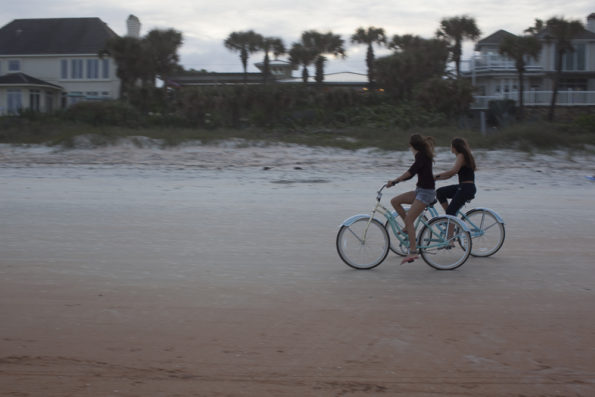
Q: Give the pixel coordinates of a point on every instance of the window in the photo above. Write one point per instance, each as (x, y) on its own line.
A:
(92, 68)
(64, 68)
(575, 60)
(105, 68)
(34, 100)
(13, 99)
(76, 69)
(14, 65)
(91, 95)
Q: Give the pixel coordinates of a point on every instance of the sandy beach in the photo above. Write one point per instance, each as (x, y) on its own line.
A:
(212, 271)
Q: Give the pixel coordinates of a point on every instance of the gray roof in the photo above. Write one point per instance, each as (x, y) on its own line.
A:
(54, 36)
(24, 79)
(494, 39)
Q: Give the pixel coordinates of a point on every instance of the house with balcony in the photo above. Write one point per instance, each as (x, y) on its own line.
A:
(495, 76)
(48, 64)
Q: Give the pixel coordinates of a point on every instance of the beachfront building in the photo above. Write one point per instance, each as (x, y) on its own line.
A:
(281, 73)
(495, 76)
(48, 64)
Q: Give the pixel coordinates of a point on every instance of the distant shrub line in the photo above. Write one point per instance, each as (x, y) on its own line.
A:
(307, 115)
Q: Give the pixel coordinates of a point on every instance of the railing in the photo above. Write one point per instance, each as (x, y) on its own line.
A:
(498, 63)
(540, 98)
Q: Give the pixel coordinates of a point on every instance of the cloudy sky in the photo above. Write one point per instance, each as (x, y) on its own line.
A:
(205, 24)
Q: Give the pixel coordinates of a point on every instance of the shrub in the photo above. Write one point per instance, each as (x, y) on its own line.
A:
(113, 113)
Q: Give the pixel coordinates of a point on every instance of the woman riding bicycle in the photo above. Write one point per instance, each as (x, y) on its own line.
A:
(424, 194)
(464, 167)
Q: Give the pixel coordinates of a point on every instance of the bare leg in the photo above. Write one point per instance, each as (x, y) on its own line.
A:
(444, 205)
(416, 209)
(398, 201)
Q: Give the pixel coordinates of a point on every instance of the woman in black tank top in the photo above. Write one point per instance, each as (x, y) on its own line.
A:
(465, 168)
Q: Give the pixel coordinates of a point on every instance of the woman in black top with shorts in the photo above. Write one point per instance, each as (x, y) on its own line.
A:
(465, 168)
(424, 194)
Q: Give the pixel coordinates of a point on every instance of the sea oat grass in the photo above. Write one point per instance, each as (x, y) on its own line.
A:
(529, 136)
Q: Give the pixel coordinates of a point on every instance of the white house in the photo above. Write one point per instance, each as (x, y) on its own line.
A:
(47, 64)
(495, 76)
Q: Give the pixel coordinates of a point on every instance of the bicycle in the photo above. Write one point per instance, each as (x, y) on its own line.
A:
(485, 226)
(363, 242)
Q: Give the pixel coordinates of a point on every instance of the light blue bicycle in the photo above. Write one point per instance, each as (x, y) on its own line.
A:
(485, 226)
(363, 242)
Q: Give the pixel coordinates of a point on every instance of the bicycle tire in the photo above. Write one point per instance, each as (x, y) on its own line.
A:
(485, 244)
(433, 243)
(363, 254)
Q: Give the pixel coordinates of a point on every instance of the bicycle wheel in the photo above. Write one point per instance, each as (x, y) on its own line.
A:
(395, 244)
(438, 250)
(487, 233)
(361, 252)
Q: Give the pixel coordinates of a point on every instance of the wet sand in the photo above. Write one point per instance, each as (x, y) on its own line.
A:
(212, 271)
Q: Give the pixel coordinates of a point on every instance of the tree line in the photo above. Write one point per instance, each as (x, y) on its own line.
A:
(314, 47)
(417, 69)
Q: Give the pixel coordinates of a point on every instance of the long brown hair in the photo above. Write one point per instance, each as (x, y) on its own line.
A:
(461, 146)
(424, 144)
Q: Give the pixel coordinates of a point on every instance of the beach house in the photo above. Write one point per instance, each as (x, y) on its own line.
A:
(495, 76)
(48, 64)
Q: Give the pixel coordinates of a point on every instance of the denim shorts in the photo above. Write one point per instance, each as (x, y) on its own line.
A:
(426, 196)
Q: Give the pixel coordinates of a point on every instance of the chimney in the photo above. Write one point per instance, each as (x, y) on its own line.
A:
(591, 22)
(133, 25)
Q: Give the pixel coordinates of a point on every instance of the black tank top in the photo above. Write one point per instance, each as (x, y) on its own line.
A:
(466, 174)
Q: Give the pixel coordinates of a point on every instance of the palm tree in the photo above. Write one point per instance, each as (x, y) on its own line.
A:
(537, 28)
(129, 55)
(455, 30)
(245, 43)
(369, 36)
(405, 42)
(299, 55)
(321, 44)
(561, 32)
(162, 49)
(520, 49)
(271, 44)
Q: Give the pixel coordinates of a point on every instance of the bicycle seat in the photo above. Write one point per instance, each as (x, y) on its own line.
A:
(432, 203)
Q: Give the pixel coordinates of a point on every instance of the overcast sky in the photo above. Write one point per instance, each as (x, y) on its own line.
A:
(205, 24)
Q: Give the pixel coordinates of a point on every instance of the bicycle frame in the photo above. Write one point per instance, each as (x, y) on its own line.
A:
(396, 229)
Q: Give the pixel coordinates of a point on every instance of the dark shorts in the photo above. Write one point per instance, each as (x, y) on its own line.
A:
(459, 194)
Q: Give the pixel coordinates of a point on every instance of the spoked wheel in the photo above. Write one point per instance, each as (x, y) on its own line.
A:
(395, 244)
(487, 232)
(363, 244)
(440, 251)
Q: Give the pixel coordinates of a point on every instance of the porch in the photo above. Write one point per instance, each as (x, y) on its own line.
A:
(539, 98)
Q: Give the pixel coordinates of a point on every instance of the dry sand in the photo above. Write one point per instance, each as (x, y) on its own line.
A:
(195, 271)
